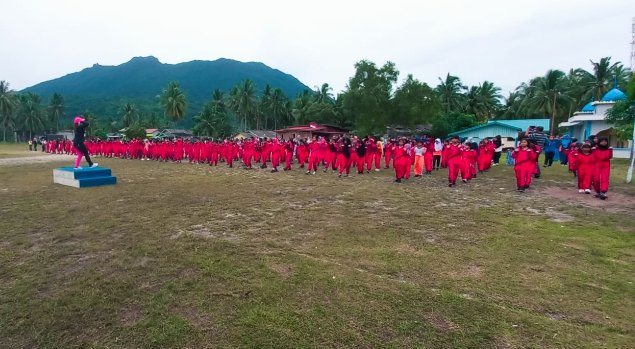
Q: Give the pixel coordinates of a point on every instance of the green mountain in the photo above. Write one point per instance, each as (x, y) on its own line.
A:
(102, 90)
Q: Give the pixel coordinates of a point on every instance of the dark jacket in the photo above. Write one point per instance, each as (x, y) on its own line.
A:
(79, 132)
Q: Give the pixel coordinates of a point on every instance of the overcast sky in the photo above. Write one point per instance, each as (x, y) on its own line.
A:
(506, 42)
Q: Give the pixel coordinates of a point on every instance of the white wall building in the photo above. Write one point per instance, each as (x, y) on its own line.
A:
(591, 120)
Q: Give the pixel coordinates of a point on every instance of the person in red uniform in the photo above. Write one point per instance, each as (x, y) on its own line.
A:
(525, 161)
(468, 156)
(602, 156)
(288, 154)
(584, 162)
(388, 150)
(302, 152)
(454, 160)
(265, 152)
(428, 156)
(371, 148)
(275, 155)
(482, 159)
(572, 152)
(314, 156)
(401, 160)
(344, 149)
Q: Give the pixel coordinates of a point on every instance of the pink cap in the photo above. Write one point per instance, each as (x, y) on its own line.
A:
(78, 120)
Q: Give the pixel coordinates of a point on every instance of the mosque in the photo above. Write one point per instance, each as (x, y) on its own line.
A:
(591, 121)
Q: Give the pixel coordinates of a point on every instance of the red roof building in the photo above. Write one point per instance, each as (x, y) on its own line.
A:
(310, 130)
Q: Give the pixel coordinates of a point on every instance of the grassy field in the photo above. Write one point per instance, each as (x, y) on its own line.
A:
(190, 256)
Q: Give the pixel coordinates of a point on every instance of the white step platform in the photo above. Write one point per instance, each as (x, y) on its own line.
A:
(84, 177)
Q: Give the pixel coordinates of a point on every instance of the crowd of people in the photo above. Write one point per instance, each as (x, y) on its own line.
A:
(417, 156)
(589, 161)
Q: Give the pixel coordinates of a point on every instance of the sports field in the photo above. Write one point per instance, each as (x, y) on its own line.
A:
(193, 256)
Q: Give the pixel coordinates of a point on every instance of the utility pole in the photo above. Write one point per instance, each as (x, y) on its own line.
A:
(629, 173)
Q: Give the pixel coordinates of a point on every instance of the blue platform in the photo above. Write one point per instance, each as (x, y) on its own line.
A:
(84, 177)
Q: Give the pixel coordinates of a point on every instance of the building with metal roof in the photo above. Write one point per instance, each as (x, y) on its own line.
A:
(591, 121)
(507, 129)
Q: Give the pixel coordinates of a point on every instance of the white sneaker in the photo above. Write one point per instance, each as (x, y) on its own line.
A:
(78, 168)
(94, 164)
(587, 191)
(376, 170)
(581, 191)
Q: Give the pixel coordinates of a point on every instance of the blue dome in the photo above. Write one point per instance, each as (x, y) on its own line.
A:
(614, 95)
(588, 108)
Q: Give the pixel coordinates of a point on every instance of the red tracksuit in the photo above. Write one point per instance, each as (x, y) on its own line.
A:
(371, 148)
(388, 150)
(454, 161)
(343, 162)
(584, 163)
(288, 156)
(402, 159)
(524, 166)
(428, 156)
(602, 169)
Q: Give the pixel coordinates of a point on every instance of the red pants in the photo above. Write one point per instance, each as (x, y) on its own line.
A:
(523, 175)
(585, 176)
(466, 169)
(246, 158)
(344, 163)
(275, 159)
(287, 161)
(377, 160)
(360, 164)
(453, 170)
(427, 160)
(313, 162)
(330, 159)
(387, 159)
(401, 166)
(369, 161)
(601, 174)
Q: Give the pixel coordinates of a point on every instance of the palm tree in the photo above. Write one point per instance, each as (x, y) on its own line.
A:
(264, 108)
(490, 98)
(213, 121)
(279, 108)
(130, 114)
(56, 110)
(323, 94)
(173, 101)
(548, 94)
(513, 103)
(243, 101)
(603, 75)
(8, 106)
(31, 115)
(451, 91)
(300, 106)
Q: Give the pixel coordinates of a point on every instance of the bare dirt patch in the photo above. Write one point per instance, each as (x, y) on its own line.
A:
(195, 317)
(285, 271)
(131, 315)
(439, 322)
(615, 201)
(551, 214)
(201, 231)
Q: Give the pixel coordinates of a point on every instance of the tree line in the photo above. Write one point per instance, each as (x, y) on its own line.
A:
(372, 100)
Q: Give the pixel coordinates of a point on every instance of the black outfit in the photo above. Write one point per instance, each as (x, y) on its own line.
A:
(497, 154)
(436, 162)
(78, 141)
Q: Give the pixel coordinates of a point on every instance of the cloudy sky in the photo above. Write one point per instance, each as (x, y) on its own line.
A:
(506, 42)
